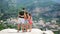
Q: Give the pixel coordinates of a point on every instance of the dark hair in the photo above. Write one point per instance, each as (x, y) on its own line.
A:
(29, 14)
(21, 13)
(23, 8)
(26, 14)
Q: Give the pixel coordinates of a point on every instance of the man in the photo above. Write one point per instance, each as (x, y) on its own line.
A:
(20, 20)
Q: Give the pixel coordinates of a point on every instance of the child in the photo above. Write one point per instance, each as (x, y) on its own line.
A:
(30, 22)
(26, 20)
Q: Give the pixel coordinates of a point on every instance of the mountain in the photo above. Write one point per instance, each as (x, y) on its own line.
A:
(38, 8)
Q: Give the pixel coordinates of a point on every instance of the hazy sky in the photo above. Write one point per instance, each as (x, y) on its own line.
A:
(58, 1)
(22, 1)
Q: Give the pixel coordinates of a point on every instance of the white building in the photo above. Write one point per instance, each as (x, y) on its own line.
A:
(41, 22)
(53, 21)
